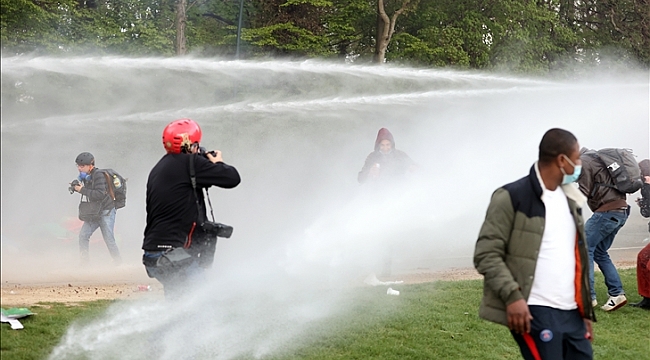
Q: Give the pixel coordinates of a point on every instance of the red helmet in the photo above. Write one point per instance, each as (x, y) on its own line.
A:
(180, 134)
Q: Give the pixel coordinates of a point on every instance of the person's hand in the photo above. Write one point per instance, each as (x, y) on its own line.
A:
(215, 158)
(374, 171)
(589, 335)
(519, 317)
(647, 179)
(78, 187)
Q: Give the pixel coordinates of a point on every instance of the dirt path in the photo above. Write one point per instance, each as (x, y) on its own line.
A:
(113, 286)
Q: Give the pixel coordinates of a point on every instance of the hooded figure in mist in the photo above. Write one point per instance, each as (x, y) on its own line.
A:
(385, 163)
(385, 166)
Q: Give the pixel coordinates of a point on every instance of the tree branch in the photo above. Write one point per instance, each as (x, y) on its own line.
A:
(397, 13)
(612, 14)
(192, 4)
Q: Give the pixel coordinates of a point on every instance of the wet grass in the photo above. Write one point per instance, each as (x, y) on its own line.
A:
(439, 321)
(43, 330)
(426, 321)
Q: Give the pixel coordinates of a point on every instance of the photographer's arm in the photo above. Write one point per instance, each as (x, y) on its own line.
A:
(209, 173)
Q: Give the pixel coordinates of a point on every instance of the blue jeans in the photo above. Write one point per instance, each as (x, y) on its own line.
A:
(173, 280)
(105, 222)
(600, 229)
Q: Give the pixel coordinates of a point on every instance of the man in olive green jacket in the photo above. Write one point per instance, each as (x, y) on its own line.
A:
(532, 252)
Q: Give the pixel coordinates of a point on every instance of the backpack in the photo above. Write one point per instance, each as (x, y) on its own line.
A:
(116, 187)
(623, 169)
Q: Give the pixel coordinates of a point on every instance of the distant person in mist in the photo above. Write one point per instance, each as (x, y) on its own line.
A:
(610, 212)
(386, 166)
(532, 252)
(96, 209)
(177, 244)
(385, 163)
(643, 258)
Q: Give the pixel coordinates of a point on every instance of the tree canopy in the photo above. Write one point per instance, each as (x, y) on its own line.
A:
(521, 35)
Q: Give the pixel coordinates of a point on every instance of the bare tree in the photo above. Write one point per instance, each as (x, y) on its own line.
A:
(386, 27)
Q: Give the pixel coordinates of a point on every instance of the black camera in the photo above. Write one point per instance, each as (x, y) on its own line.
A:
(74, 183)
(217, 229)
(203, 152)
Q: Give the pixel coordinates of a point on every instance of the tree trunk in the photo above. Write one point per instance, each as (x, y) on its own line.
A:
(181, 19)
(381, 42)
(385, 29)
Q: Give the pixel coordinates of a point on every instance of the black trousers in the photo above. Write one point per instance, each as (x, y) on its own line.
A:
(555, 334)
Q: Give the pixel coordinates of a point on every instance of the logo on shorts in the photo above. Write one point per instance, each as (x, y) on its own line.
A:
(546, 335)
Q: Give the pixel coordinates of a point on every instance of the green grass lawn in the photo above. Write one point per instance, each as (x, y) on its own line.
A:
(426, 321)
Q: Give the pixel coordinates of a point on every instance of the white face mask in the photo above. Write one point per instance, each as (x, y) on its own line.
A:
(567, 179)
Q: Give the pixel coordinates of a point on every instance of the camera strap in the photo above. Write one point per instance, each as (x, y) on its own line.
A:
(196, 197)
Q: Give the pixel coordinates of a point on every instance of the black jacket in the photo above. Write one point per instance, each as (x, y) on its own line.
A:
(95, 189)
(171, 204)
(644, 205)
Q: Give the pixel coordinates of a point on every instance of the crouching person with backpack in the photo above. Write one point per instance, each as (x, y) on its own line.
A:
(607, 177)
(178, 240)
(97, 206)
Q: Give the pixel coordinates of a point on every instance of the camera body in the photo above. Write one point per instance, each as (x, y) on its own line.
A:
(203, 152)
(73, 183)
(217, 229)
(206, 245)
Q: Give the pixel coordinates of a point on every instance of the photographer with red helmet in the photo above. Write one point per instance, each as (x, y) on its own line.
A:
(177, 227)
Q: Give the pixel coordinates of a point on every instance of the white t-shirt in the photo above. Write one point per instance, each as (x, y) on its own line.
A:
(553, 284)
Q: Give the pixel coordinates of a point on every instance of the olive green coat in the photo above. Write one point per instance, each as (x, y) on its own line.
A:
(509, 242)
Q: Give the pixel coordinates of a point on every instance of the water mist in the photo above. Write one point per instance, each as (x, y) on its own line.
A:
(306, 233)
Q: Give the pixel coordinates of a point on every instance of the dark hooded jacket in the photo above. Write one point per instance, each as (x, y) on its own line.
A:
(392, 166)
(95, 189)
(600, 198)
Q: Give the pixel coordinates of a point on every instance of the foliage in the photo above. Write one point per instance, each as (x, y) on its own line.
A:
(518, 35)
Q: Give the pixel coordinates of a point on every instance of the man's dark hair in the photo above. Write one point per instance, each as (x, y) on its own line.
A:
(556, 142)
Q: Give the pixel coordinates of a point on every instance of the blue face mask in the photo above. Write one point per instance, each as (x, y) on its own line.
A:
(83, 176)
(567, 179)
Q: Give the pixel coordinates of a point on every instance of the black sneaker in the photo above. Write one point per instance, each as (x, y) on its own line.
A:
(643, 304)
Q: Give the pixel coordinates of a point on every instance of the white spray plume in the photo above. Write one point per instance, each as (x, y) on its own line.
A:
(298, 132)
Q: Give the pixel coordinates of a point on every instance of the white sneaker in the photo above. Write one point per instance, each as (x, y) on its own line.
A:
(614, 302)
(594, 303)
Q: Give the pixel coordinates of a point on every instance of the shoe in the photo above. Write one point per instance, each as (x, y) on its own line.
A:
(594, 303)
(614, 302)
(643, 304)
